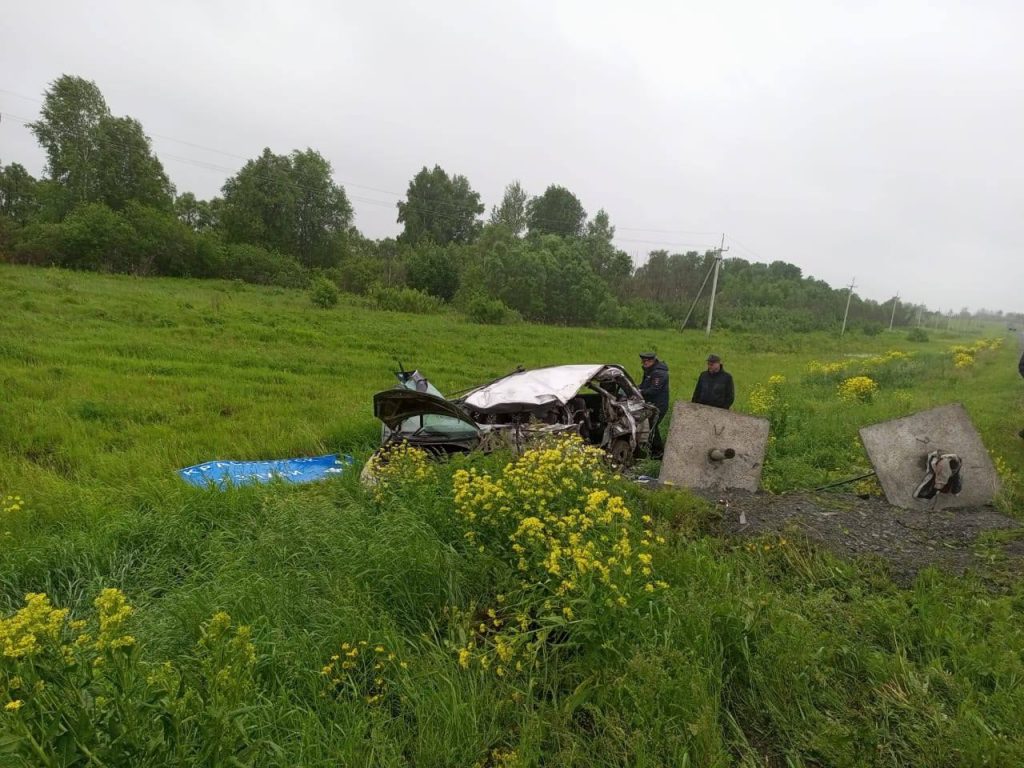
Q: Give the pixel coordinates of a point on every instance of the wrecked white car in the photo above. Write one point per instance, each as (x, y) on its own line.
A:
(599, 402)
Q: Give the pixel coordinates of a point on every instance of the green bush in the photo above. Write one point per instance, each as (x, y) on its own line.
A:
(917, 334)
(642, 313)
(403, 300)
(160, 243)
(323, 293)
(92, 237)
(254, 264)
(488, 311)
(433, 270)
(776, 320)
(358, 274)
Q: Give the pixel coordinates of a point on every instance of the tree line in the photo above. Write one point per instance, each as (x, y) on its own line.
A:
(105, 203)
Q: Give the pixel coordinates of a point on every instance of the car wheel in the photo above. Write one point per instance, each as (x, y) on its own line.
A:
(621, 452)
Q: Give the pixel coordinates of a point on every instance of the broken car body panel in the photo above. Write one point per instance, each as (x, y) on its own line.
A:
(529, 389)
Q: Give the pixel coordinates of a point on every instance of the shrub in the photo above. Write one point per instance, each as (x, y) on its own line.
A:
(254, 264)
(160, 244)
(359, 273)
(323, 293)
(403, 300)
(776, 320)
(642, 313)
(433, 270)
(917, 334)
(92, 237)
(483, 309)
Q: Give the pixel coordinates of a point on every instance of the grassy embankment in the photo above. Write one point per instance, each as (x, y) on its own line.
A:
(750, 654)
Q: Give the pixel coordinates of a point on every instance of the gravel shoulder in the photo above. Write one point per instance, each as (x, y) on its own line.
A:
(956, 541)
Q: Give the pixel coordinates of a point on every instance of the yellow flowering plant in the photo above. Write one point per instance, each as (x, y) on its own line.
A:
(364, 670)
(227, 660)
(769, 400)
(398, 467)
(818, 372)
(12, 513)
(85, 678)
(579, 555)
(857, 389)
(44, 654)
(964, 356)
(894, 368)
(11, 505)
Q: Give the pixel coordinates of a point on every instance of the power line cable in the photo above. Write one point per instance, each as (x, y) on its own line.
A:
(445, 215)
(746, 248)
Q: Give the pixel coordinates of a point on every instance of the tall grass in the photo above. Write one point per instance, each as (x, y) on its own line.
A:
(761, 652)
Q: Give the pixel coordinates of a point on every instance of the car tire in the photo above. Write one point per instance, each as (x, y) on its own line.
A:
(621, 452)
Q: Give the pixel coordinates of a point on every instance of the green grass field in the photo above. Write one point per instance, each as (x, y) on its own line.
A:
(768, 655)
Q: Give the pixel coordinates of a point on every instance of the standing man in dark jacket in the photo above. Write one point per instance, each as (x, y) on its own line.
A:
(1020, 368)
(654, 388)
(714, 386)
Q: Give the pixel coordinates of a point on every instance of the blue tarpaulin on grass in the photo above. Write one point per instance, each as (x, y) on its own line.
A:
(223, 473)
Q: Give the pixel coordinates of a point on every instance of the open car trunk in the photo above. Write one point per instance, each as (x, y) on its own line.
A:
(425, 420)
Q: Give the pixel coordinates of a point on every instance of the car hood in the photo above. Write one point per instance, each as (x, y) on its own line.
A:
(393, 406)
(540, 386)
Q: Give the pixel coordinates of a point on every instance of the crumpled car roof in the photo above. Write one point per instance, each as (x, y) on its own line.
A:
(536, 387)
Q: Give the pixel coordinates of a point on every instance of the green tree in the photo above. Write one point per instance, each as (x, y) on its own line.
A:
(322, 210)
(126, 168)
(68, 131)
(545, 278)
(18, 200)
(198, 215)
(433, 269)
(557, 212)
(512, 211)
(439, 208)
(93, 156)
(287, 203)
(607, 262)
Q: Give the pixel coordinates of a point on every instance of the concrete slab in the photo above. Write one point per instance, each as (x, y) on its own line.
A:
(696, 430)
(898, 450)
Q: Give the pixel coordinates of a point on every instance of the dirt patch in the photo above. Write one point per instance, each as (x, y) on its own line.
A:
(974, 538)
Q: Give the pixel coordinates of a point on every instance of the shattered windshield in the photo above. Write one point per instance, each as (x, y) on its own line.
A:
(431, 423)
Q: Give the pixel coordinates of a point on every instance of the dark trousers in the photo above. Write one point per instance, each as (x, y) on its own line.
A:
(657, 444)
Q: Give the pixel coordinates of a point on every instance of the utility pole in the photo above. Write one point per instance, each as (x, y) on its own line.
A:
(714, 283)
(893, 316)
(697, 297)
(846, 314)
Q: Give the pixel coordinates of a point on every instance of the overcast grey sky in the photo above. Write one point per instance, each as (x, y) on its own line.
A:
(875, 140)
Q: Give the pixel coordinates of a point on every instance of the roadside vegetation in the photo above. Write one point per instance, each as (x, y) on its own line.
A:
(106, 204)
(485, 611)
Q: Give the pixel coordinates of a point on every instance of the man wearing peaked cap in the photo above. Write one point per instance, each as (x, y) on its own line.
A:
(714, 386)
(654, 388)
